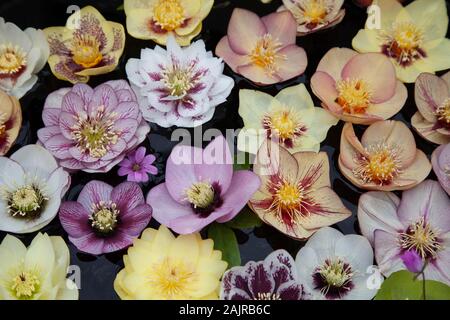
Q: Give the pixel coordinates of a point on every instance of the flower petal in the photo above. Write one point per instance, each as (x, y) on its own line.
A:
(94, 192)
(282, 26)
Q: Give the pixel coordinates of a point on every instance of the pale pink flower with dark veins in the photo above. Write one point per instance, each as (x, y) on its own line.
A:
(137, 165)
(441, 165)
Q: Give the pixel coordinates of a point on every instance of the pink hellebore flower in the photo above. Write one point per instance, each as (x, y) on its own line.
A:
(136, 166)
(441, 166)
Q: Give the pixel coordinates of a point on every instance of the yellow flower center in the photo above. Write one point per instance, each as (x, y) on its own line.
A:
(179, 80)
(168, 14)
(12, 59)
(201, 195)
(25, 285)
(421, 238)
(314, 11)
(86, 51)
(335, 273)
(289, 195)
(265, 53)
(25, 202)
(104, 216)
(443, 112)
(354, 95)
(267, 296)
(284, 124)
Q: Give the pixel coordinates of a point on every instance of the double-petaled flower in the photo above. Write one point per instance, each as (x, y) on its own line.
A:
(441, 165)
(10, 121)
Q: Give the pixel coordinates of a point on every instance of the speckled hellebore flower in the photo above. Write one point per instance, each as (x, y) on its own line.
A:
(385, 159)
(31, 187)
(413, 37)
(37, 272)
(295, 196)
(432, 95)
(314, 15)
(137, 165)
(92, 129)
(22, 55)
(419, 222)
(162, 266)
(10, 121)
(333, 266)
(87, 46)
(441, 165)
(158, 19)
(358, 88)
(275, 278)
(178, 86)
(105, 219)
(290, 117)
(262, 49)
(201, 188)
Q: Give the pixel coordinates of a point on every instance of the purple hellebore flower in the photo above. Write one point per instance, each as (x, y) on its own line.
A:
(105, 219)
(419, 222)
(275, 278)
(137, 165)
(441, 166)
(412, 260)
(201, 188)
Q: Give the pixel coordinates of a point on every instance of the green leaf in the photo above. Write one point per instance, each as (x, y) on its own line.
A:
(242, 162)
(246, 219)
(402, 286)
(120, 8)
(225, 241)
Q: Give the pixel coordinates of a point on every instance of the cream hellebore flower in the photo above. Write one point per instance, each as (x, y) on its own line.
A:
(10, 121)
(157, 19)
(412, 36)
(36, 273)
(22, 55)
(290, 117)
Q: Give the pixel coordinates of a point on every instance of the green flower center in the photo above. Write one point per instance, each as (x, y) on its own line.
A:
(104, 217)
(25, 285)
(26, 202)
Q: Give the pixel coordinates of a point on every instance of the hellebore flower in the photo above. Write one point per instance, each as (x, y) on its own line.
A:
(160, 266)
(178, 86)
(413, 37)
(136, 166)
(201, 188)
(290, 117)
(31, 187)
(92, 129)
(314, 15)
(358, 88)
(157, 20)
(295, 196)
(22, 55)
(275, 278)
(37, 272)
(441, 166)
(10, 121)
(432, 95)
(262, 49)
(87, 46)
(419, 222)
(386, 159)
(105, 219)
(333, 266)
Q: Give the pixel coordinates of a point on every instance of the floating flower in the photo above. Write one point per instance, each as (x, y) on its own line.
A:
(295, 196)
(201, 188)
(419, 222)
(87, 46)
(314, 15)
(275, 278)
(386, 159)
(413, 37)
(290, 117)
(37, 272)
(22, 55)
(92, 129)
(432, 95)
(263, 49)
(105, 219)
(178, 86)
(10, 121)
(358, 88)
(158, 19)
(136, 166)
(31, 188)
(160, 266)
(333, 266)
(441, 166)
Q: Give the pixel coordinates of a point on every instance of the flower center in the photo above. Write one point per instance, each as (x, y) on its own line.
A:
(265, 53)
(25, 202)
(314, 12)
(285, 124)
(201, 195)
(136, 167)
(267, 296)
(354, 95)
(289, 195)
(25, 285)
(443, 113)
(179, 80)
(421, 238)
(104, 217)
(333, 278)
(168, 14)
(86, 51)
(13, 60)
(95, 135)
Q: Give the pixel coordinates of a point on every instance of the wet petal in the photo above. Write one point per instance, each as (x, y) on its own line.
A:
(430, 92)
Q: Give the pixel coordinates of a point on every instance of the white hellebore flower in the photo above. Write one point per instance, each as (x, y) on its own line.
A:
(178, 86)
(336, 266)
(31, 187)
(36, 273)
(22, 55)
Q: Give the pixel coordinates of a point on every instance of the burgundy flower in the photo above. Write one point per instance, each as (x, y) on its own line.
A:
(137, 165)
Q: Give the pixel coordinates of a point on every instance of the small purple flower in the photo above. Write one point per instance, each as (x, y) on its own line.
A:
(275, 278)
(137, 165)
(105, 219)
(412, 260)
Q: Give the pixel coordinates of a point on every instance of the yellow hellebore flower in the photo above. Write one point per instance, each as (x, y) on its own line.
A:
(88, 45)
(160, 266)
(157, 19)
(412, 36)
(36, 273)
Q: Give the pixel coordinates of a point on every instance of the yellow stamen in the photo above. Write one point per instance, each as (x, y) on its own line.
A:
(168, 14)
(12, 59)
(335, 274)
(443, 112)
(25, 285)
(421, 238)
(86, 51)
(201, 195)
(25, 202)
(104, 216)
(178, 79)
(265, 53)
(314, 11)
(354, 95)
(285, 124)
(267, 296)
